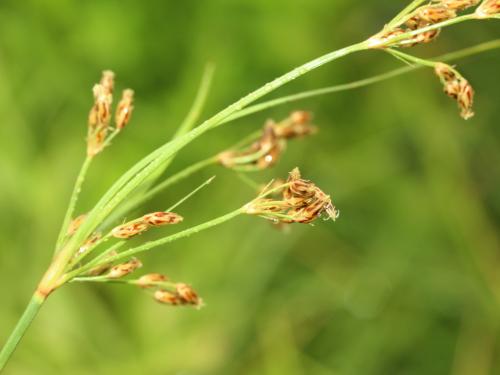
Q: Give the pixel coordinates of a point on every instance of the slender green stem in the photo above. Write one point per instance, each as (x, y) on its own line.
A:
(411, 59)
(483, 47)
(248, 181)
(72, 201)
(105, 279)
(22, 325)
(181, 201)
(199, 101)
(186, 172)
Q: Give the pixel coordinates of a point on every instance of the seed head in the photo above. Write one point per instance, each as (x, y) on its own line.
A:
(488, 8)
(124, 109)
(129, 230)
(151, 280)
(162, 218)
(123, 269)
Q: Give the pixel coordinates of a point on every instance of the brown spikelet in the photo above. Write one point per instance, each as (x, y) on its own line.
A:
(162, 218)
(429, 15)
(187, 294)
(456, 87)
(100, 115)
(129, 230)
(167, 297)
(123, 269)
(422, 38)
(124, 109)
(151, 280)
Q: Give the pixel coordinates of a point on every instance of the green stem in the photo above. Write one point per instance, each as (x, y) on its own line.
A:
(199, 101)
(186, 172)
(411, 59)
(72, 201)
(105, 279)
(185, 198)
(483, 47)
(22, 325)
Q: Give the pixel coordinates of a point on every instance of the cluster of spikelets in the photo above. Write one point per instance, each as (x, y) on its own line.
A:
(437, 11)
(301, 201)
(267, 150)
(99, 121)
(296, 201)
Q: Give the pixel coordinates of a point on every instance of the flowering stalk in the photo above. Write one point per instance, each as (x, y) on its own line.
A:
(301, 201)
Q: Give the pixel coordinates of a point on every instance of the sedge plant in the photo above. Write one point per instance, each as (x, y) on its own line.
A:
(94, 247)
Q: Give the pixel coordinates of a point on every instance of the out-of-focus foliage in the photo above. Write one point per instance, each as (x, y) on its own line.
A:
(405, 282)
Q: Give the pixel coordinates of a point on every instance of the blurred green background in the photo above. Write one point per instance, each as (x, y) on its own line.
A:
(405, 282)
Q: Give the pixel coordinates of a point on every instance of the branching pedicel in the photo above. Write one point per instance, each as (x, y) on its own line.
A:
(84, 254)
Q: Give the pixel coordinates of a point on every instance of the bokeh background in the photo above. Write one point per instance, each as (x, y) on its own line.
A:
(405, 282)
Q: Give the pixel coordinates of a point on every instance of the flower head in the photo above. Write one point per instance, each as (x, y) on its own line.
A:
(301, 202)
